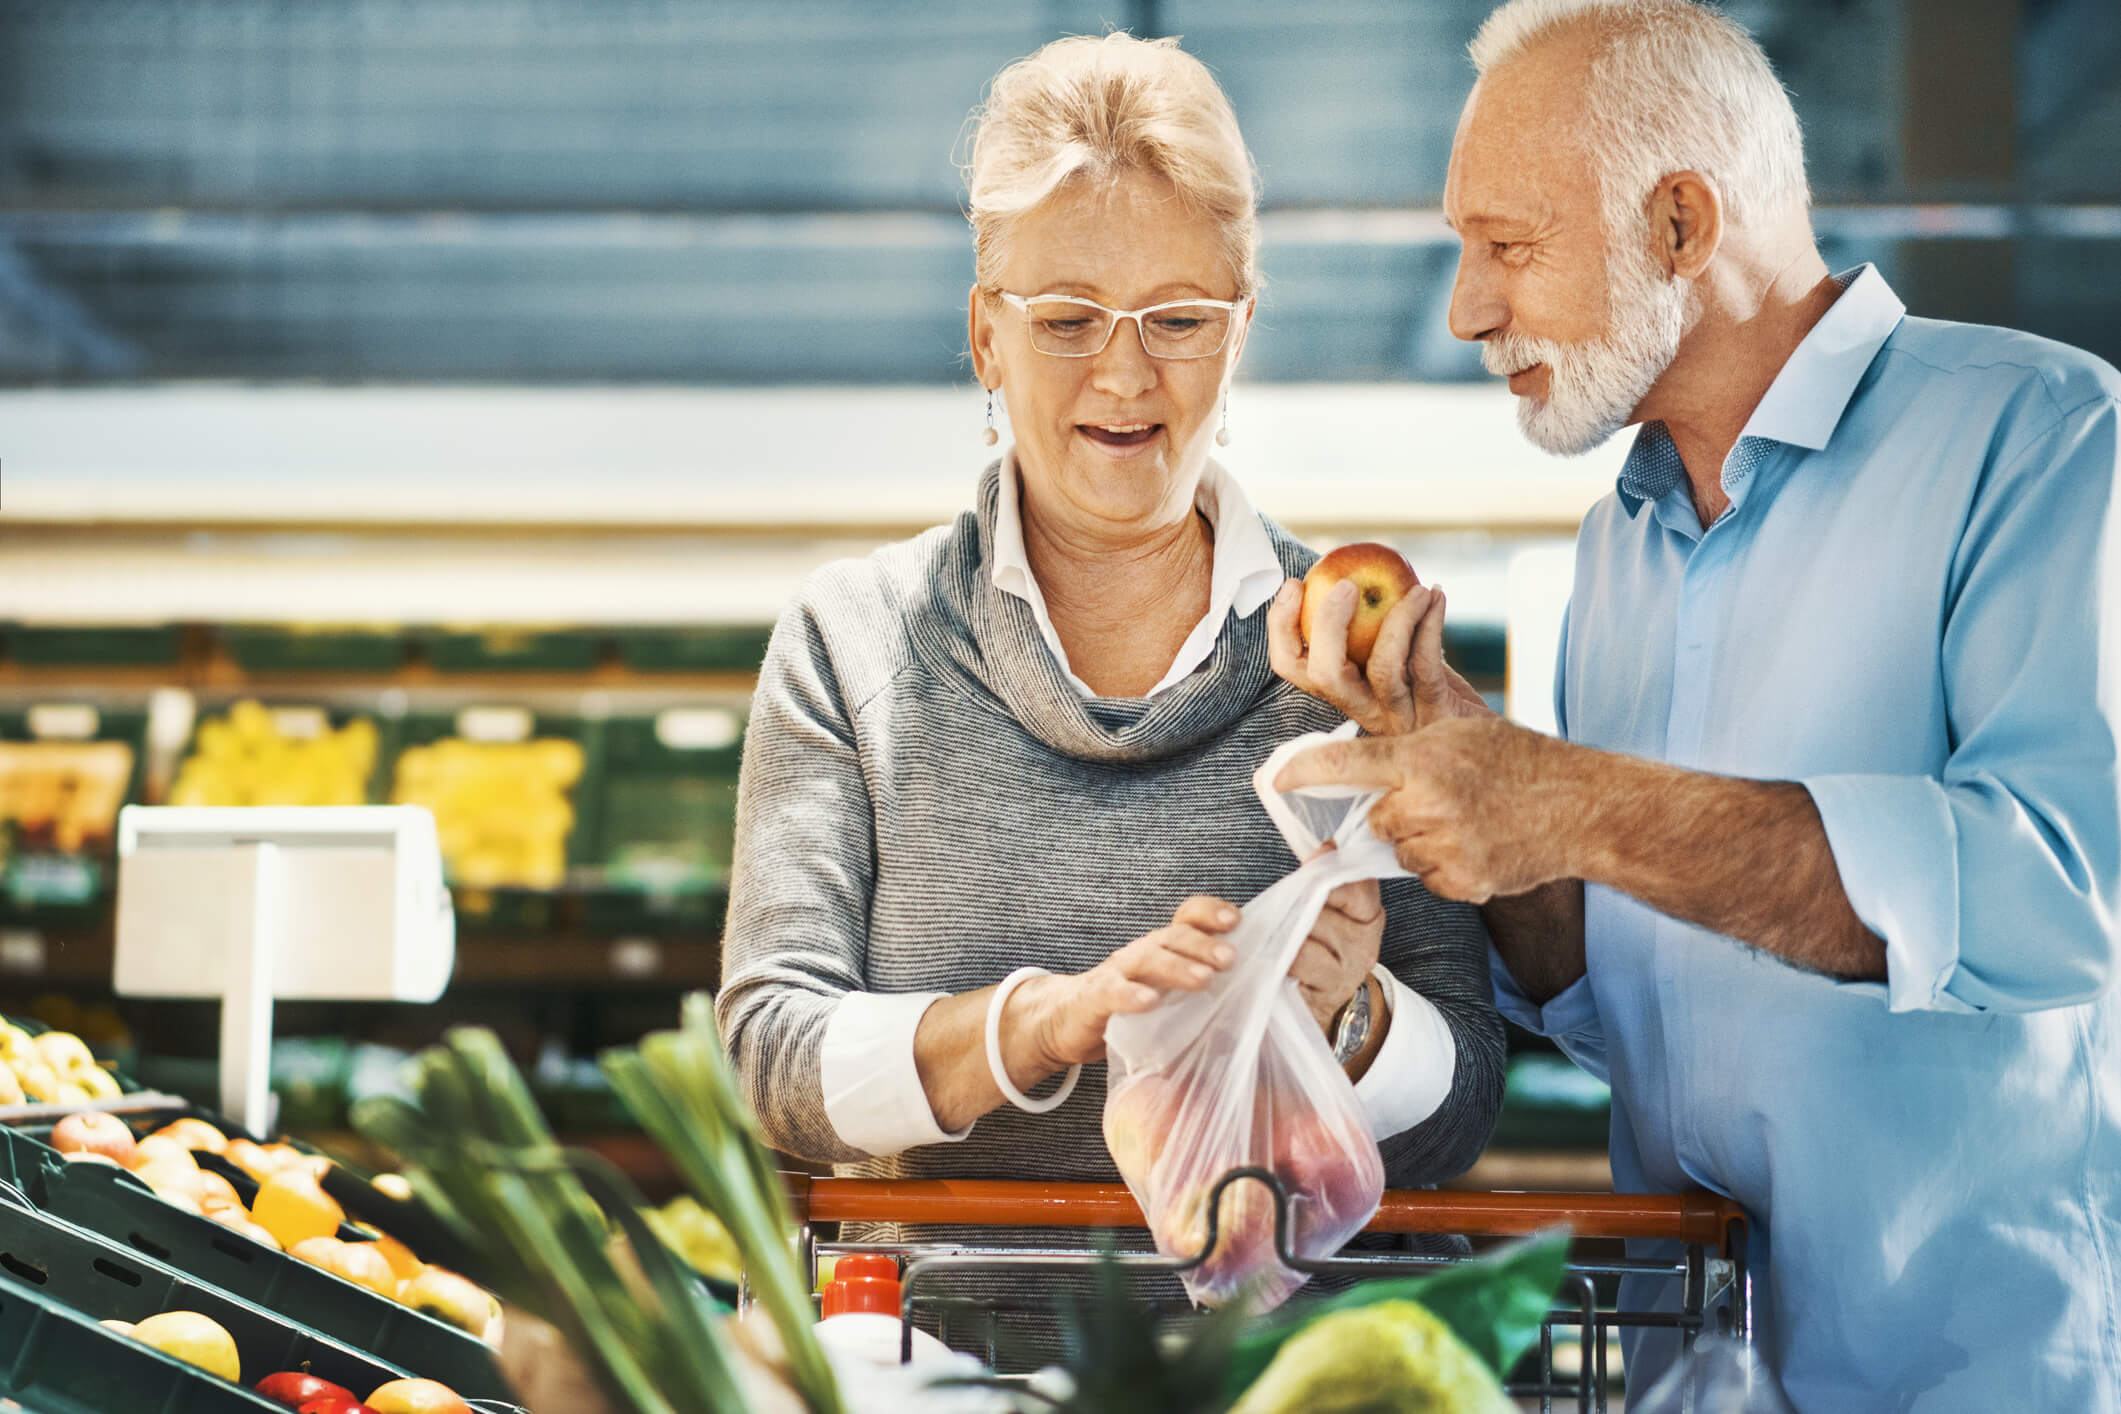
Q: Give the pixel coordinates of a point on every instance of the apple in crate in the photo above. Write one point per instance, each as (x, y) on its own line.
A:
(416, 1397)
(193, 1338)
(94, 1132)
(297, 1388)
(1381, 577)
(448, 1297)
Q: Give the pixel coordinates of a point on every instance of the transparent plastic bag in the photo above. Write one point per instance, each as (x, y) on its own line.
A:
(1719, 1376)
(1241, 1076)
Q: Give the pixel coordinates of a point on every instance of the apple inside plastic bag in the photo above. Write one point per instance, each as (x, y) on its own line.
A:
(1240, 1076)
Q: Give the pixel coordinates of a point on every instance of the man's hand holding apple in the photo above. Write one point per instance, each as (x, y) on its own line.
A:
(1362, 632)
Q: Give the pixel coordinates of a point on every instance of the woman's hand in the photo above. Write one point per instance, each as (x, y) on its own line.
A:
(1183, 956)
(1342, 949)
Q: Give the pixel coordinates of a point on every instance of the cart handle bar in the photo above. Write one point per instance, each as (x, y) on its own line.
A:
(1700, 1218)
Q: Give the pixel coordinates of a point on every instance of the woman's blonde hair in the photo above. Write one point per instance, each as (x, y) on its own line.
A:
(1095, 108)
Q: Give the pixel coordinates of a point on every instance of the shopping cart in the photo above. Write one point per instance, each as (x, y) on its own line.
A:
(1710, 1271)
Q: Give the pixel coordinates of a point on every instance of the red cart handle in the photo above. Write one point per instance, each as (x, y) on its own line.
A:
(1700, 1218)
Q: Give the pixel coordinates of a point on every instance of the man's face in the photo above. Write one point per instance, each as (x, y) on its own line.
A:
(1581, 323)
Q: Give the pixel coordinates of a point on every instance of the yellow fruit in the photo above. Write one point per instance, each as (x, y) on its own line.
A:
(449, 1297)
(236, 1220)
(215, 1191)
(357, 1262)
(10, 1088)
(63, 1051)
(403, 1264)
(253, 1158)
(194, 1133)
(15, 1044)
(394, 1185)
(291, 1206)
(39, 1083)
(193, 1338)
(100, 1083)
(163, 1150)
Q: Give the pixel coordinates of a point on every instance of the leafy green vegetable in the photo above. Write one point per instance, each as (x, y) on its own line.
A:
(487, 1166)
(680, 1086)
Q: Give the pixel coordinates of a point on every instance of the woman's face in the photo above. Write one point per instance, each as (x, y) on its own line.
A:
(1114, 442)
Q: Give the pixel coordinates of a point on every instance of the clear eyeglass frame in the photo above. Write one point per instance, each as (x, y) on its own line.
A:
(1022, 304)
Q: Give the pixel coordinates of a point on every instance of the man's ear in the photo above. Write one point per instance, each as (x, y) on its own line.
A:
(1686, 217)
(979, 337)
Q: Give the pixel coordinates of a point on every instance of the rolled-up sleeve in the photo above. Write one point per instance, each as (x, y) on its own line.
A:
(827, 1066)
(1995, 886)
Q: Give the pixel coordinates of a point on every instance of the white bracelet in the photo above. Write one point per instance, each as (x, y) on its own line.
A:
(1015, 1096)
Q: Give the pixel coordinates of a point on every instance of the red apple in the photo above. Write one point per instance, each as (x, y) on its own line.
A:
(1381, 577)
(296, 1388)
(94, 1132)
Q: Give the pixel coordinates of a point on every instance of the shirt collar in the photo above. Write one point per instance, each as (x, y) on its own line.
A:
(1804, 404)
(1246, 571)
(1244, 575)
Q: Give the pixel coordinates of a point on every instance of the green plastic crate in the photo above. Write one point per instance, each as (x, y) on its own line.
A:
(667, 819)
(510, 651)
(264, 649)
(157, 646)
(43, 885)
(116, 1205)
(732, 649)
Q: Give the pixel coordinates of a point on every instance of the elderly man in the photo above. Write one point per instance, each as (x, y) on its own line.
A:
(1823, 875)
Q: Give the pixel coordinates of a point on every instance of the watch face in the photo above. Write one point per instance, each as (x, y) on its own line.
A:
(1354, 1028)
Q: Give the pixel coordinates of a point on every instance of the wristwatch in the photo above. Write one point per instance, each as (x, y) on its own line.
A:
(1351, 1029)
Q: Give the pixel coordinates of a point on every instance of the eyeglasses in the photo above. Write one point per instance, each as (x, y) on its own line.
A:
(1070, 327)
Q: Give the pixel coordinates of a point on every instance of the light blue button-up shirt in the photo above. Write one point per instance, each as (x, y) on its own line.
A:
(1913, 607)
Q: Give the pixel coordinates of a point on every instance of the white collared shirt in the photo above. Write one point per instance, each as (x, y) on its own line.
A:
(1245, 575)
(871, 1086)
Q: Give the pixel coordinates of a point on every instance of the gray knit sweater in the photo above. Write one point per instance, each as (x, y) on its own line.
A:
(927, 804)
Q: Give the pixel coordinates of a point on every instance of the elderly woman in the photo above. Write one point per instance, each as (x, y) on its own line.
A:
(1026, 739)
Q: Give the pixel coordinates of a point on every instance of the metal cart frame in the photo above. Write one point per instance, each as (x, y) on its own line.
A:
(1714, 1282)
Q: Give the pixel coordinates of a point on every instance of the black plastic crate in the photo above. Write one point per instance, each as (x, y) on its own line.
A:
(114, 1204)
(101, 1280)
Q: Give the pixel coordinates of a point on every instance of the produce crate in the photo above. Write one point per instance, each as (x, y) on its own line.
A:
(510, 650)
(62, 1362)
(729, 649)
(101, 1280)
(667, 819)
(158, 646)
(117, 1206)
(296, 649)
(294, 748)
(56, 834)
(484, 901)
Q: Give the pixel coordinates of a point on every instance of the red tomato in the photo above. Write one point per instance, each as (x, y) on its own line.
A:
(295, 1389)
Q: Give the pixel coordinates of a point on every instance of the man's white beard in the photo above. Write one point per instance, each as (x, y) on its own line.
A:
(1594, 387)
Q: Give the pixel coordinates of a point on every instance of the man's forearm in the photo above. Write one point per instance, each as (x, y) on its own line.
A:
(1539, 936)
(1747, 859)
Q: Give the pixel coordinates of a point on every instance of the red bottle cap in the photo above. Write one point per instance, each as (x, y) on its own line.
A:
(862, 1282)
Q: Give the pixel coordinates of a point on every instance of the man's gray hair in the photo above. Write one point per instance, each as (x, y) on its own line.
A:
(1675, 86)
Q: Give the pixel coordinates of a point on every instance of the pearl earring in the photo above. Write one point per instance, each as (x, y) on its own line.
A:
(1222, 433)
(990, 436)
